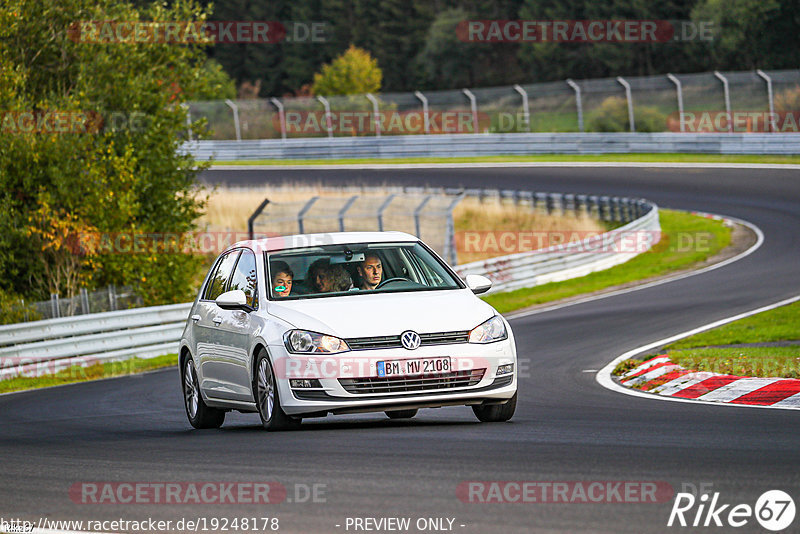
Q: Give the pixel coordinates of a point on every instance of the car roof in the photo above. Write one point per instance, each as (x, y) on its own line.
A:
(276, 243)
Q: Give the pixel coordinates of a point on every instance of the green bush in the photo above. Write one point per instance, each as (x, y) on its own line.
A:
(612, 116)
(14, 310)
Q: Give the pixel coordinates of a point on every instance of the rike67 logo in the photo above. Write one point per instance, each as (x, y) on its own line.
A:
(774, 510)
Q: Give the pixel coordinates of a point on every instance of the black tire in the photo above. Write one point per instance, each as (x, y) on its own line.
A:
(268, 401)
(496, 413)
(199, 413)
(401, 414)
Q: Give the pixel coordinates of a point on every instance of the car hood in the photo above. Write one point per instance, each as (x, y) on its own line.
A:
(385, 314)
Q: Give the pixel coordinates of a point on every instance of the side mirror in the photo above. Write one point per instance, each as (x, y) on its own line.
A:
(233, 300)
(478, 284)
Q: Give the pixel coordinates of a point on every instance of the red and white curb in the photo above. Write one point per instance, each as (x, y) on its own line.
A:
(661, 376)
(703, 387)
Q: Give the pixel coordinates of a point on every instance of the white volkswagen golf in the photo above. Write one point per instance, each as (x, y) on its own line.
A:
(303, 326)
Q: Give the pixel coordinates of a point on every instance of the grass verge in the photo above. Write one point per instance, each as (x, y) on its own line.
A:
(93, 372)
(637, 158)
(762, 362)
(686, 240)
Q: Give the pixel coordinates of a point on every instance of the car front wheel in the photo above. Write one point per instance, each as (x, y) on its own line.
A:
(496, 413)
(267, 397)
(199, 413)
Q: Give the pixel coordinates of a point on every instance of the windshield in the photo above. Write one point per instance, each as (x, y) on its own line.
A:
(335, 270)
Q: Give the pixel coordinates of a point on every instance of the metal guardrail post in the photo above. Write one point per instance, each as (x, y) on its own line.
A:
(629, 98)
(55, 312)
(328, 118)
(376, 113)
(679, 91)
(766, 78)
(382, 208)
(526, 112)
(281, 116)
(252, 219)
(578, 102)
(344, 209)
(473, 104)
(425, 116)
(231, 104)
(302, 213)
(417, 211)
(551, 203)
(727, 96)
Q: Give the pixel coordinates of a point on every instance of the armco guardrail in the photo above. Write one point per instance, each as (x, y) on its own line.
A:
(494, 144)
(570, 260)
(43, 347)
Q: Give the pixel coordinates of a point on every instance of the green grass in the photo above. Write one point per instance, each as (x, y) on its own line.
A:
(94, 372)
(774, 325)
(669, 255)
(640, 158)
(750, 361)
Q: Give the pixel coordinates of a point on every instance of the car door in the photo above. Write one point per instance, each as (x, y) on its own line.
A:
(207, 317)
(232, 334)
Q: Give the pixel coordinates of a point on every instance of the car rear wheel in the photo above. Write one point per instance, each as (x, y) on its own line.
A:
(267, 397)
(401, 414)
(199, 413)
(496, 413)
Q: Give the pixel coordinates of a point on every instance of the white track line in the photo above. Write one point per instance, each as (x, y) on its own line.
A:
(604, 375)
(509, 164)
(756, 246)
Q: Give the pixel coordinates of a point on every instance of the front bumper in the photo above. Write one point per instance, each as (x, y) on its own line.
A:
(334, 371)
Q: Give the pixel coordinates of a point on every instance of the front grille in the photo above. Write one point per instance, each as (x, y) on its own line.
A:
(455, 379)
(393, 342)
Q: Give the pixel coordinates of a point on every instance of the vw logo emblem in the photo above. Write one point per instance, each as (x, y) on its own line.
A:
(410, 339)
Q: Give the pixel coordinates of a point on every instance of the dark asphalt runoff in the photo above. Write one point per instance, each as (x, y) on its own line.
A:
(566, 428)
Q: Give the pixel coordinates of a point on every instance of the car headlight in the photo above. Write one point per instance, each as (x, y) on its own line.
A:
(492, 330)
(304, 342)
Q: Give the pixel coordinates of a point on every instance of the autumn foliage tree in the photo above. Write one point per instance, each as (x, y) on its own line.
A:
(354, 72)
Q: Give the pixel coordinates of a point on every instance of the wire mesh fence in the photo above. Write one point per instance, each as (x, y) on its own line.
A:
(111, 298)
(710, 102)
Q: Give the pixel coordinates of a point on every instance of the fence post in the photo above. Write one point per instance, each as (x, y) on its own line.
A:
(770, 98)
(344, 210)
(252, 219)
(425, 116)
(328, 119)
(450, 232)
(375, 113)
(727, 95)
(473, 104)
(188, 119)
(526, 112)
(629, 98)
(302, 213)
(281, 116)
(679, 91)
(84, 301)
(55, 311)
(112, 298)
(417, 211)
(382, 208)
(578, 102)
(231, 104)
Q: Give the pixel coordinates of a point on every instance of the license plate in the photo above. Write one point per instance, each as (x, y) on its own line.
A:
(420, 366)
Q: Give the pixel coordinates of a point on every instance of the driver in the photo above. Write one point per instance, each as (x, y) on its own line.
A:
(371, 271)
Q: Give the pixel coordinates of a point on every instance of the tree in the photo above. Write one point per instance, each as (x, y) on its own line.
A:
(354, 72)
(116, 166)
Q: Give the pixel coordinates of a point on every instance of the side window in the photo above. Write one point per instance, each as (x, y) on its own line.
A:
(219, 279)
(244, 278)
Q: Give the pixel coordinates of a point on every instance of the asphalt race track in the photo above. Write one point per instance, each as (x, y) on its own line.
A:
(566, 428)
